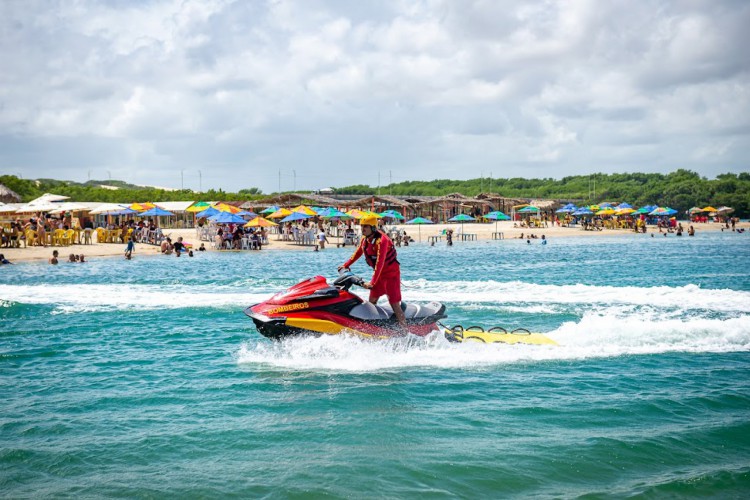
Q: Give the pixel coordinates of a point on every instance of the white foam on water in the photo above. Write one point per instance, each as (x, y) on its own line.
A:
(595, 336)
(487, 294)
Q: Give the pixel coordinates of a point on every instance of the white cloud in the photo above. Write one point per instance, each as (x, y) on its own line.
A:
(337, 91)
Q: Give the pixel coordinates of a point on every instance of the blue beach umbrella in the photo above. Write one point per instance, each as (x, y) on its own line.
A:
(419, 221)
(155, 212)
(227, 218)
(295, 216)
(207, 212)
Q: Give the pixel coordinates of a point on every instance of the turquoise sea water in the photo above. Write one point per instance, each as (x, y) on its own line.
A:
(144, 378)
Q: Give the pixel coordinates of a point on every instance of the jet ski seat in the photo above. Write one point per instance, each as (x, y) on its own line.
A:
(416, 311)
(369, 311)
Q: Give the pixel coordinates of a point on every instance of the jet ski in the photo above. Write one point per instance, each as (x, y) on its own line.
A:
(314, 306)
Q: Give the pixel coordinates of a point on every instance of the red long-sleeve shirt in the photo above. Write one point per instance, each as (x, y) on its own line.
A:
(380, 255)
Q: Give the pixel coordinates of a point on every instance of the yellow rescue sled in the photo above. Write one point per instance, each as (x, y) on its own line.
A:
(496, 335)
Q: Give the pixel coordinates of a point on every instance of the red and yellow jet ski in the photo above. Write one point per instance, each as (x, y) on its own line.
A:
(315, 306)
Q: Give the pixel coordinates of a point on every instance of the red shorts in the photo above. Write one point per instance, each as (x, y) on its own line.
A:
(388, 285)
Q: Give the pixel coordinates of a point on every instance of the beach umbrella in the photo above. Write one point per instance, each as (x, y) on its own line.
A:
(392, 214)
(270, 209)
(304, 210)
(583, 211)
(695, 210)
(461, 218)
(124, 211)
(207, 212)
(245, 213)
(223, 207)
(624, 205)
(722, 210)
(330, 213)
(260, 222)
(663, 211)
(155, 212)
(529, 209)
(708, 209)
(496, 216)
(625, 211)
(419, 221)
(295, 216)
(142, 206)
(198, 206)
(227, 218)
(606, 211)
(278, 214)
(357, 214)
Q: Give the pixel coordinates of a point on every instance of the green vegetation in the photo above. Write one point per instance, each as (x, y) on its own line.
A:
(680, 190)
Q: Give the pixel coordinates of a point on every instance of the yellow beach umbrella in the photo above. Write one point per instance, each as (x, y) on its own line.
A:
(142, 207)
(606, 211)
(260, 222)
(280, 213)
(624, 211)
(223, 207)
(304, 210)
(357, 214)
(709, 209)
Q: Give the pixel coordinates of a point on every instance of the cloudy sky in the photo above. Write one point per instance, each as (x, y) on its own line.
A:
(303, 94)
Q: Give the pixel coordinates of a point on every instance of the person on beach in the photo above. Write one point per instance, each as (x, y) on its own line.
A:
(53, 260)
(81, 258)
(166, 246)
(691, 231)
(130, 248)
(544, 240)
(380, 254)
(179, 246)
(3, 260)
(202, 248)
(449, 237)
(322, 240)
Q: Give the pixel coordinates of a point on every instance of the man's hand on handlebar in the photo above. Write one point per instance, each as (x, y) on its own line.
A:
(342, 267)
(367, 284)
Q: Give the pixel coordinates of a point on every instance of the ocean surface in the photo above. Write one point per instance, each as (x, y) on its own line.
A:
(144, 379)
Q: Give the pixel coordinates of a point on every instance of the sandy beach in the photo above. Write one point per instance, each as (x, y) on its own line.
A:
(483, 231)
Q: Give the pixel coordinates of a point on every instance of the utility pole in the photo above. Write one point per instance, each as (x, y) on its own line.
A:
(279, 181)
(294, 182)
(182, 180)
(200, 182)
(109, 174)
(390, 182)
(378, 182)
(481, 182)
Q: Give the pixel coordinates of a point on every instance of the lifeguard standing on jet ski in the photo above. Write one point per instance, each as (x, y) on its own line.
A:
(380, 254)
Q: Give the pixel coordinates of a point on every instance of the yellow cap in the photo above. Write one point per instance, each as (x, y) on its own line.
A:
(369, 220)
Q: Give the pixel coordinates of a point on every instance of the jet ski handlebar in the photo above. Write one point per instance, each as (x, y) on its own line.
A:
(346, 279)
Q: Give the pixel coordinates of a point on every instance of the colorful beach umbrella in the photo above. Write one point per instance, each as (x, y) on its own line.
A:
(270, 209)
(198, 206)
(708, 209)
(260, 222)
